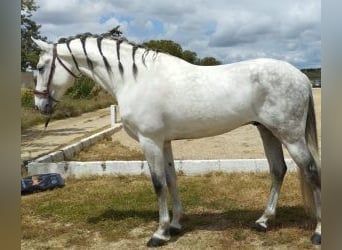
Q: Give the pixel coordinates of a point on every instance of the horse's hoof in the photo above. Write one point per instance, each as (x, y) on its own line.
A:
(316, 239)
(175, 231)
(258, 227)
(156, 242)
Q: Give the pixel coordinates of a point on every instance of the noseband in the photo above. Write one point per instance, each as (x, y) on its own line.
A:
(46, 93)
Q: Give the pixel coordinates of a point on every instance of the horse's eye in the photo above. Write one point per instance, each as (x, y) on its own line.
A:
(41, 69)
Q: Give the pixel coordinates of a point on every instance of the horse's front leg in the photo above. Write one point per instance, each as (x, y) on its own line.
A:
(153, 150)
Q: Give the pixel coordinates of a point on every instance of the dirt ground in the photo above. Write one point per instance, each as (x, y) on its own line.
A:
(59, 133)
(241, 143)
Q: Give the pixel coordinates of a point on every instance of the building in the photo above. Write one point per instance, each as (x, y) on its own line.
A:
(28, 79)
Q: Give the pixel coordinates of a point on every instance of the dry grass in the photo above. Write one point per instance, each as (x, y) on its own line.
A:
(108, 149)
(121, 213)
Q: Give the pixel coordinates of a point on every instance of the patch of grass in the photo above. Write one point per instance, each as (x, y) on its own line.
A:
(239, 235)
(222, 206)
(111, 205)
(67, 107)
(107, 149)
(26, 97)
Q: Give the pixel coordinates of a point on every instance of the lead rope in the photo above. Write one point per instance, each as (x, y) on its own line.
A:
(40, 135)
(47, 122)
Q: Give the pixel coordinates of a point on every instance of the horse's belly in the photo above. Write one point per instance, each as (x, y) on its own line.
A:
(198, 128)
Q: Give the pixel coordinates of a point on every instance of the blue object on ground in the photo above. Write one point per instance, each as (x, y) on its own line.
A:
(41, 182)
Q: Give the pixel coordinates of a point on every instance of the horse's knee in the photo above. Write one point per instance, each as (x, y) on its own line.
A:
(170, 177)
(157, 183)
(279, 172)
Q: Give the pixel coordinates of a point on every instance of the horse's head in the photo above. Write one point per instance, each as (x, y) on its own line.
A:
(54, 77)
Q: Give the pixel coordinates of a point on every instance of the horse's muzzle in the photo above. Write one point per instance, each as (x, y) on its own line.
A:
(50, 108)
(47, 109)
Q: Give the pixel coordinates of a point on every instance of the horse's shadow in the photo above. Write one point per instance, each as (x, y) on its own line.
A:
(287, 217)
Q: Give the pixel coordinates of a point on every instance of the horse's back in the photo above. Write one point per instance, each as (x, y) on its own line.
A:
(236, 94)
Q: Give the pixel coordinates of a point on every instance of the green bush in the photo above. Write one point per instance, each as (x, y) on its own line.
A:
(83, 88)
(26, 97)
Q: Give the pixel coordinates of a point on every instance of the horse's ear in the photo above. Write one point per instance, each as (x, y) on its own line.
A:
(41, 44)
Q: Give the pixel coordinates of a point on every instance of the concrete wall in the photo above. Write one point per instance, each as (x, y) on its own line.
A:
(186, 167)
(27, 80)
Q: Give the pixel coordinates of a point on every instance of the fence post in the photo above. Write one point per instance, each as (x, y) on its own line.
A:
(113, 115)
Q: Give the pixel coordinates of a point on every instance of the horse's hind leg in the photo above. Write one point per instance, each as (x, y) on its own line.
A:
(171, 180)
(302, 156)
(275, 158)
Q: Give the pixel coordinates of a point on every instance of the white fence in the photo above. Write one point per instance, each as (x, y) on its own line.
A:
(114, 109)
(186, 167)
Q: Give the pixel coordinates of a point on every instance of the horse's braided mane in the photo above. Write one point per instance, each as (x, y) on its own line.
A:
(110, 35)
(113, 34)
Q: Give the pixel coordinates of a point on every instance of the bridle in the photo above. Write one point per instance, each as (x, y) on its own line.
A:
(46, 93)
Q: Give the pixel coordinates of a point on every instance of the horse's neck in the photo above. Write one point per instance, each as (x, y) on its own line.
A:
(127, 65)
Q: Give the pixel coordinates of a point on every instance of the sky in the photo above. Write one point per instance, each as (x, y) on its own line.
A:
(230, 31)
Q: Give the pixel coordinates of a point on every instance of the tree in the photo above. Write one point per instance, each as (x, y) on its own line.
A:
(190, 56)
(166, 46)
(172, 48)
(208, 61)
(29, 52)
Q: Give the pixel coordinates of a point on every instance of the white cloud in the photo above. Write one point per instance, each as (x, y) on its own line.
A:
(149, 25)
(229, 30)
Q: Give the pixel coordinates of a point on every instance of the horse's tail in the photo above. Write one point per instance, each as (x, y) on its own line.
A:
(312, 143)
